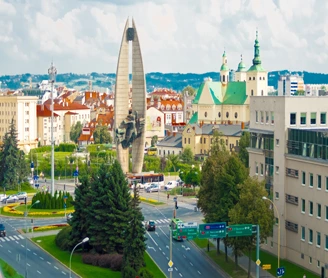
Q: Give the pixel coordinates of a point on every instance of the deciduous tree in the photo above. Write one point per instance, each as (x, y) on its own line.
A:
(252, 209)
(101, 135)
(190, 90)
(244, 143)
(75, 131)
(187, 155)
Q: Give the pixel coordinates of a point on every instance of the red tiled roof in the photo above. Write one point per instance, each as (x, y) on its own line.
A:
(68, 106)
(85, 137)
(44, 111)
(71, 113)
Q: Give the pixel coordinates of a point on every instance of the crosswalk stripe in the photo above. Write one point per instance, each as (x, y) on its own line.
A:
(167, 220)
(2, 239)
(16, 237)
(11, 238)
(7, 239)
(162, 221)
(20, 236)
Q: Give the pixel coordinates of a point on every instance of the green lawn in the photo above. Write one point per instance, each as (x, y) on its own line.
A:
(88, 271)
(8, 271)
(228, 267)
(292, 270)
(23, 209)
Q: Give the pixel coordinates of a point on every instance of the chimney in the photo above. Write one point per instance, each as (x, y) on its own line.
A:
(174, 133)
(242, 125)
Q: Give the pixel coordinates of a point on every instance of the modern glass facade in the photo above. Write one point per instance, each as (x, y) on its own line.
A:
(308, 143)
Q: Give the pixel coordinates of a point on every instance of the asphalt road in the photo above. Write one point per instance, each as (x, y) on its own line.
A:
(14, 248)
(187, 259)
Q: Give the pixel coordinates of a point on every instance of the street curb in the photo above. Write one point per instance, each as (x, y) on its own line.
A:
(156, 264)
(216, 266)
(53, 257)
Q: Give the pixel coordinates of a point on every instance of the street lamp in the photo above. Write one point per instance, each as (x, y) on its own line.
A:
(277, 212)
(52, 71)
(26, 213)
(70, 258)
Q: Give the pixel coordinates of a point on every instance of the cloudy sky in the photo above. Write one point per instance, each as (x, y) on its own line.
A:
(83, 36)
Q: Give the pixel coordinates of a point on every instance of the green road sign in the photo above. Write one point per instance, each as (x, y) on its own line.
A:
(212, 230)
(190, 230)
(239, 230)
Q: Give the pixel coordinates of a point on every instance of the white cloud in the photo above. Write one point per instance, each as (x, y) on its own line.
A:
(175, 35)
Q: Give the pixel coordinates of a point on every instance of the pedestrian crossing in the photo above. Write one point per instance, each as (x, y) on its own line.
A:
(159, 221)
(11, 238)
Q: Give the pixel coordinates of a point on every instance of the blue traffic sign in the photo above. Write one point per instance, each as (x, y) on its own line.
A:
(280, 271)
(64, 205)
(75, 173)
(36, 177)
(32, 165)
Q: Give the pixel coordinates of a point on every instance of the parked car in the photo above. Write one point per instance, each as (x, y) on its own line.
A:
(171, 184)
(21, 195)
(2, 230)
(150, 225)
(10, 199)
(153, 188)
(3, 196)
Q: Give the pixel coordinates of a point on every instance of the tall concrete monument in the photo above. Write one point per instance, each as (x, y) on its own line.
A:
(130, 124)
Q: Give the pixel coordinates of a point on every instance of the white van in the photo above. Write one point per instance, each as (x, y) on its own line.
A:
(171, 184)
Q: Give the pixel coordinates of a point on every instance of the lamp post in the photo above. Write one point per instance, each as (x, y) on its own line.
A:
(277, 212)
(70, 258)
(26, 213)
(52, 71)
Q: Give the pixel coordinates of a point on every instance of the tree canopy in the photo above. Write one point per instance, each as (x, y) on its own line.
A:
(187, 155)
(190, 90)
(75, 131)
(101, 135)
(244, 143)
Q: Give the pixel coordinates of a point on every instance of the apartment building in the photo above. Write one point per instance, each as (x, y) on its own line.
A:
(22, 109)
(289, 150)
(290, 84)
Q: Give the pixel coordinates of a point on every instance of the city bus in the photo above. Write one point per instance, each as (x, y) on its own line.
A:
(146, 179)
(176, 227)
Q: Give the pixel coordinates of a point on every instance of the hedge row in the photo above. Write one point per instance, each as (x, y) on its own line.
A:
(112, 261)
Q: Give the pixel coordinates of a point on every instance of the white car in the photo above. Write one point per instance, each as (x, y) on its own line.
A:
(153, 188)
(10, 199)
(170, 185)
(21, 195)
(139, 185)
(3, 196)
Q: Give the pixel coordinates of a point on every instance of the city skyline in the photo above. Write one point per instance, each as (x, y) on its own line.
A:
(83, 36)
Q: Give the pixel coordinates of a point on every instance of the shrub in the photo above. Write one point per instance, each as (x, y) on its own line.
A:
(104, 261)
(63, 239)
(90, 258)
(145, 273)
(116, 261)
(128, 272)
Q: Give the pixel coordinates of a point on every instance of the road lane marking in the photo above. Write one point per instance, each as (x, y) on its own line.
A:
(63, 272)
(22, 245)
(38, 271)
(160, 249)
(191, 264)
(7, 239)
(152, 239)
(17, 242)
(167, 220)
(163, 253)
(2, 239)
(9, 251)
(28, 264)
(180, 274)
(11, 238)
(167, 258)
(16, 237)
(199, 272)
(20, 236)
(48, 262)
(56, 267)
(176, 269)
(184, 256)
(28, 249)
(34, 254)
(41, 258)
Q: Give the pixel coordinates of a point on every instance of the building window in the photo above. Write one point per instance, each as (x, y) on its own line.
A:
(256, 168)
(277, 169)
(319, 210)
(310, 236)
(292, 118)
(185, 140)
(201, 140)
(219, 114)
(262, 117)
(256, 116)
(318, 239)
(319, 181)
(252, 92)
(303, 119)
(303, 205)
(326, 244)
(266, 117)
(313, 118)
(277, 142)
(272, 117)
(204, 140)
(310, 260)
(262, 169)
(318, 264)
(227, 114)
(303, 178)
(236, 115)
(310, 208)
(277, 195)
(188, 140)
(205, 114)
(303, 233)
(253, 77)
(261, 92)
(311, 180)
(326, 183)
(323, 118)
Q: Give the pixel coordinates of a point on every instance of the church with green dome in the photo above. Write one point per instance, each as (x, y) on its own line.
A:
(225, 101)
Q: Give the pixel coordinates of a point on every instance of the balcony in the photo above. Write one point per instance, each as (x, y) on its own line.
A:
(292, 199)
(291, 226)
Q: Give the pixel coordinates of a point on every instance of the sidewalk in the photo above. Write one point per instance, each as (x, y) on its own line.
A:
(242, 261)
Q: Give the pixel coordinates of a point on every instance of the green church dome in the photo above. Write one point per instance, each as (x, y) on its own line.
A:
(224, 67)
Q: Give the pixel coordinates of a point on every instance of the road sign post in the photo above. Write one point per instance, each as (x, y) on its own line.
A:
(190, 230)
(280, 271)
(212, 230)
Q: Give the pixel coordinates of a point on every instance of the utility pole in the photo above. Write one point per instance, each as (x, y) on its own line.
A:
(52, 71)
(171, 251)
